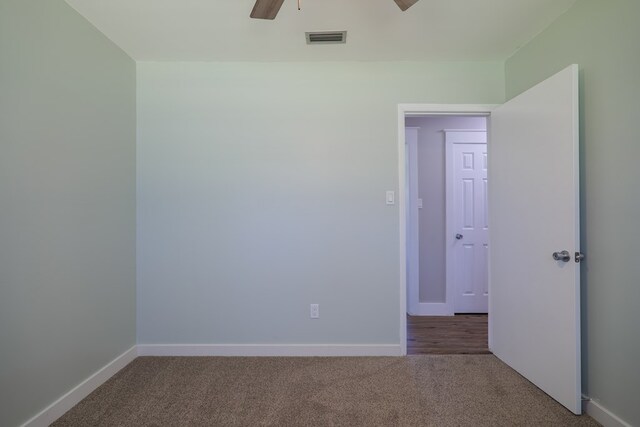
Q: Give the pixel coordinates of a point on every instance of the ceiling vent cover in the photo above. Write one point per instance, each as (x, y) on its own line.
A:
(329, 37)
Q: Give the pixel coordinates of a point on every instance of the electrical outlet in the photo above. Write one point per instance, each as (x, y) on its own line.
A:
(314, 311)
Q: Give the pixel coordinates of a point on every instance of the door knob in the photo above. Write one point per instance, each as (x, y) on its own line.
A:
(459, 236)
(563, 256)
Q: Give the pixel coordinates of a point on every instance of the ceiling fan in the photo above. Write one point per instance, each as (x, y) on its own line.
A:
(268, 9)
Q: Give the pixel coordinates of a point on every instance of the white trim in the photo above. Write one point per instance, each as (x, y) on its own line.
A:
(602, 415)
(419, 110)
(413, 224)
(269, 350)
(402, 212)
(465, 136)
(464, 130)
(82, 390)
(433, 309)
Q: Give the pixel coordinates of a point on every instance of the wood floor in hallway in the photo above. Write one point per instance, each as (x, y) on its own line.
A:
(459, 334)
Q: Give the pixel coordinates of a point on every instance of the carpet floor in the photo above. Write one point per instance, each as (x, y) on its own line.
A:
(425, 390)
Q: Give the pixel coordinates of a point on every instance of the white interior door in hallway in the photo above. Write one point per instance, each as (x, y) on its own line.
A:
(467, 220)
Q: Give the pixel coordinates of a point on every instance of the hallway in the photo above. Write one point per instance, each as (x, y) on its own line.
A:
(459, 334)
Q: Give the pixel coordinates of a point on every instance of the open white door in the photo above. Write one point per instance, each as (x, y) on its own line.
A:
(534, 300)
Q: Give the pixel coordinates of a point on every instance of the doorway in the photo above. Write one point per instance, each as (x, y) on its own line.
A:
(447, 234)
(428, 306)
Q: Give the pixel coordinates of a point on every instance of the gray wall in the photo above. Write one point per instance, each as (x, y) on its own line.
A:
(261, 189)
(67, 204)
(431, 189)
(602, 36)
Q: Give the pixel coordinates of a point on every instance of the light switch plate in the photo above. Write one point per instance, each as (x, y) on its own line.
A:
(391, 197)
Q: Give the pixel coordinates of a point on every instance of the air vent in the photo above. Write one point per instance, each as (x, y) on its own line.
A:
(331, 37)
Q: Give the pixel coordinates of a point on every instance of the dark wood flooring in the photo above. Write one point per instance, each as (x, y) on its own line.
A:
(459, 334)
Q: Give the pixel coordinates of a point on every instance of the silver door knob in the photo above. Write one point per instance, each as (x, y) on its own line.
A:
(459, 236)
(563, 256)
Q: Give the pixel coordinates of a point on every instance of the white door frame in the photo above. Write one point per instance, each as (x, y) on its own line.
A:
(413, 225)
(415, 110)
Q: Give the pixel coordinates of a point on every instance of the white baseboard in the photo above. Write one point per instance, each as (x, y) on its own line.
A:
(602, 415)
(82, 390)
(269, 350)
(432, 309)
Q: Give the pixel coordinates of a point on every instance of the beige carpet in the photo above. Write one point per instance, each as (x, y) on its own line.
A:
(474, 390)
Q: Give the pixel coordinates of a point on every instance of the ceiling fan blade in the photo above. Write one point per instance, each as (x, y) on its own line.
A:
(405, 4)
(266, 9)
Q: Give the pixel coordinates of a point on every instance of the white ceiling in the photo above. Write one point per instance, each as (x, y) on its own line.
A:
(221, 30)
